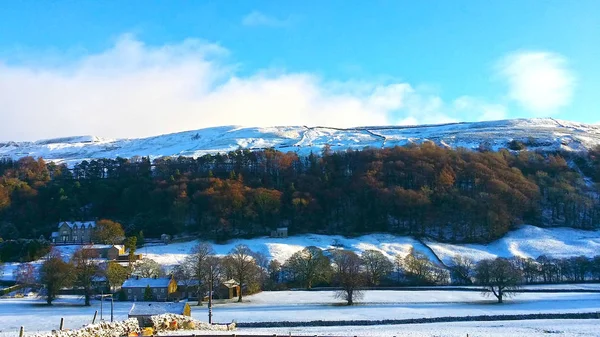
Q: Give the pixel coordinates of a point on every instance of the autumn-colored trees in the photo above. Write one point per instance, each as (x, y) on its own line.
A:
(451, 195)
(108, 232)
(55, 274)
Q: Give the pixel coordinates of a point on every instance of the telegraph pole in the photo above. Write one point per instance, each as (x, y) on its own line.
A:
(210, 295)
(111, 307)
(101, 302)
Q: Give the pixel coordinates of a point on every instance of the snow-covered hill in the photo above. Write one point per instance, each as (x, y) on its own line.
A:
(527, 241)
(543, 134)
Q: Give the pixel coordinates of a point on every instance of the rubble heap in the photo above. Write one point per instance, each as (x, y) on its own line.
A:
(102, 329)
(168, 322)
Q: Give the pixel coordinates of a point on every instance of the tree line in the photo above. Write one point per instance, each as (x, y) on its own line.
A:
(344, 270)
(452, 195)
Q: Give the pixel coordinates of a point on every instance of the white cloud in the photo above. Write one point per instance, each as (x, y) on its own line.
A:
(479, 109)
(256, 18)
(539, 81)
(135, 90)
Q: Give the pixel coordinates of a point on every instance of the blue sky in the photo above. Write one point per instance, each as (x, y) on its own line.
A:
(137, 68)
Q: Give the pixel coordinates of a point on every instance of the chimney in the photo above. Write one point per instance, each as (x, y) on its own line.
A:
(137, 277)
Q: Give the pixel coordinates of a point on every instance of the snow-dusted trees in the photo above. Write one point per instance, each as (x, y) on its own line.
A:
(377, 266)
(499, 276)
(309, 266)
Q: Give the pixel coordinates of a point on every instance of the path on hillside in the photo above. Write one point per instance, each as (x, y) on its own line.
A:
(437, 258)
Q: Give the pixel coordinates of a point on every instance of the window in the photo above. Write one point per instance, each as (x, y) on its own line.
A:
(129, 291)
(162, 291)
(74, 237)
(154, 290)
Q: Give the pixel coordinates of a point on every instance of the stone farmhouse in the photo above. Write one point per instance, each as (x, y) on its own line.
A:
(73, 232)
(161, 288)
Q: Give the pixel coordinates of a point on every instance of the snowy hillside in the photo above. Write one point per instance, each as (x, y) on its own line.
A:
(528, 241)
(543, 134)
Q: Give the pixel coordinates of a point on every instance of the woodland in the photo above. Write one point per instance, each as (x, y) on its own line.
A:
(451, 195)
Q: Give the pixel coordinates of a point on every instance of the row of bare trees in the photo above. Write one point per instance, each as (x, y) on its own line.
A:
(308, 268)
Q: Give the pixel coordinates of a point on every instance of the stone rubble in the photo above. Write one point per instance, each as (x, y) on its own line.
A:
(129, 327)
(102, 329)
(166, 322)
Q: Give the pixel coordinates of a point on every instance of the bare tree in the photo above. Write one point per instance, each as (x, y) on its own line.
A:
(348, 275)
(55, 274)
(309, 266)
(148, 268)
(25, 275)
(86, 268)
(198, 263)
(185, 276)
(242, 266)
(376, 265)
(462, 269)
(398, 267)
(420, 269)
(498, 276)
(215, 272)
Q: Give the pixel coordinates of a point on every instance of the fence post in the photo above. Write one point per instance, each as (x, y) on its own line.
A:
(22, 332)
(62, 323)
(94, 319)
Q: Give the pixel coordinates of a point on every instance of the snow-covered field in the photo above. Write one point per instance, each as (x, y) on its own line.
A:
(544, 134)
(537, 328)
(321, 305)
(528, 241)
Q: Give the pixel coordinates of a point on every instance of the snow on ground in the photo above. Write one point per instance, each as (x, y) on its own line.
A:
(378, 305)
(528, 241)
(531, 328)
(321, 305)
(282, 248)
(7, 272)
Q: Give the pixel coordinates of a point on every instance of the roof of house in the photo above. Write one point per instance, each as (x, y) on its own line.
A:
(231, 283)
(99, 278)
(157, 308)
(119, 247)
(54, 235)
(144, 282)
(78, 224)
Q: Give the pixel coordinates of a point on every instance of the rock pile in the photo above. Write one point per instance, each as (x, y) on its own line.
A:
(168, 322)
(103, 329)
